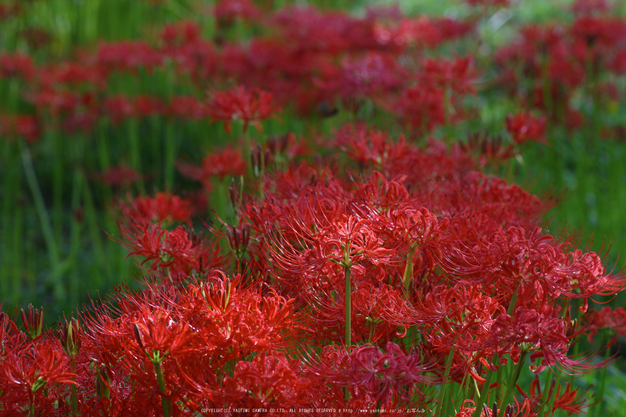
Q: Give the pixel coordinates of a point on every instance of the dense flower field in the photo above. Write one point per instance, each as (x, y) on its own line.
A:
(321, 205)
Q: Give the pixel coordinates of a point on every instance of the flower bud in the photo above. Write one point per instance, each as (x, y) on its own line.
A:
(70, 337)
(33, 323)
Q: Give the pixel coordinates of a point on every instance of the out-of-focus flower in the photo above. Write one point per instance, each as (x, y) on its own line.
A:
(249, 107)
(525, 127)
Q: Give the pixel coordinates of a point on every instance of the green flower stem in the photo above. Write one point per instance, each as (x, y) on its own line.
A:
(167, 406)
(171, 149)
(48, 234)
(92, 218)
(408, 272)
(104, 159)
(442, 391)
(549, 400)
(484, 391)
(75, 237)
(57, 183)
(513, 380)
(348, 274)
(135, 152)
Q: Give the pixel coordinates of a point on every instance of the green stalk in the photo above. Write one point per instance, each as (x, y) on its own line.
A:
(167, 406)
(74, 400)
(92, 219)
(135, 152)
(601, 405)
(549, 401)
(10, 280)
(18, 246)
(91, 20)
(348, 274)
(408, 272)
(484, 392)
(513, 380)
(46, 228)
(75, 237)
(442, 391)
(57, 184)
(104, 158)
(171, 148)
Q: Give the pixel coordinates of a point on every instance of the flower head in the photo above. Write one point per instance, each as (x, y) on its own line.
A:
(240, 104)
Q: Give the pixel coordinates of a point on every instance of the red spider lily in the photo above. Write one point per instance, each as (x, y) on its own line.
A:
(160, 334)
(158, 209)
(363, 78)
(149, 106)
(457, 75)
(489, 3)
(589, 7)
(248, 106)
(180, 33)
(487, 151)
(544, 334)
(186, 108)
(171, 250)
(226, 11)
(72, 75)
(461, 318)
(29, 370)
(568, 400)
(220, 164)
(118, 108)
(268, 381)
(387, 377)
(127, 56)
(525, 127)
(16, 65)
(120, 175)
(24, 126)
(368, 147)
(36, 38)
(614, 319)
(422, 107)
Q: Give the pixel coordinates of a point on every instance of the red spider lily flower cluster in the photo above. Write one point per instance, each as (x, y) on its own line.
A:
(361, 278)
(158, 209)
(241, 105)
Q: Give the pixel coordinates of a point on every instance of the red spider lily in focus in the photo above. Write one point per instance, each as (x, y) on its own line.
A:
(32, 375)
(388, 377)
(249, 107)
(158, 209)
(268, 381)
(172, 250)
(525, 127)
